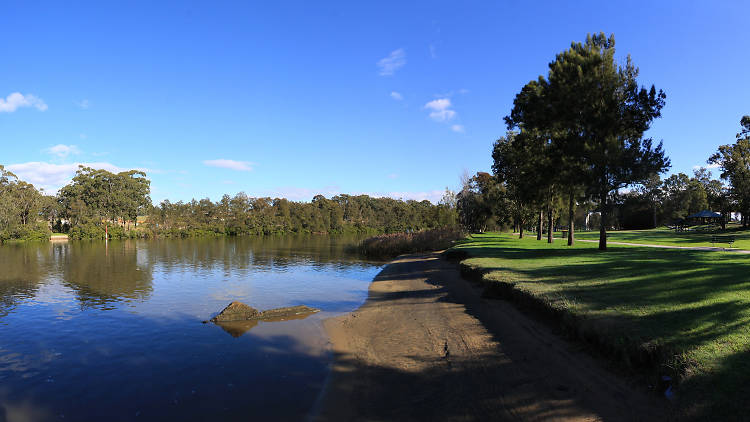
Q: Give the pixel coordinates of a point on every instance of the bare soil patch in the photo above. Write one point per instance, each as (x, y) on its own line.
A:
(427, 346)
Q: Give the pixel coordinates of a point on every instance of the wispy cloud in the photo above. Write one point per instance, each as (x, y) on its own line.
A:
(440, 110)
(17, 100)
(708, 166)
(230, 164)
(62, 151)
(84, 103)
(457, 128)
(394, 61)
(396, 96)
(51, 177)
(433, 51)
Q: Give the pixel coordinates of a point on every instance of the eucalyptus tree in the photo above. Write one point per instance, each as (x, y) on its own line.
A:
(96, 194)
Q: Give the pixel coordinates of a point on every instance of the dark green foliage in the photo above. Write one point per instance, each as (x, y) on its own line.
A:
(584, 126)
(20, 210)
(734, 161)
(243, 215)
(37, 231)
(481, 204)
(98, 203)
(98, 195)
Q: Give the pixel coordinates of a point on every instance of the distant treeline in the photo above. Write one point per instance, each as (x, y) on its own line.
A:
(485, 204)
(243, 215)
(96, 202)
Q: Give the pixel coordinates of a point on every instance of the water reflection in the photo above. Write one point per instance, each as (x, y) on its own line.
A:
(22, 269)
(238, 328)
(93, 333)
(102, 276)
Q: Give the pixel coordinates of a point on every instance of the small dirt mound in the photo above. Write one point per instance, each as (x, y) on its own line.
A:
(238, 311)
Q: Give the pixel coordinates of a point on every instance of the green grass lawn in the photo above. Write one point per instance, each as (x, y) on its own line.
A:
(694, 306)
(664, 236)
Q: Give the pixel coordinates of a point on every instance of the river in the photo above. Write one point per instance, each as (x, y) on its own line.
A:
(94, 331)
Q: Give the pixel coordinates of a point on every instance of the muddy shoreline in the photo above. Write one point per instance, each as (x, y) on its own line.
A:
(426, 346)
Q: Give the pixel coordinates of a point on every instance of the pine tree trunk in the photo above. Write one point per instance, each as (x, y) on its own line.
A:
(571, 216)
(539, 225)
(603, 224)
(550, 229)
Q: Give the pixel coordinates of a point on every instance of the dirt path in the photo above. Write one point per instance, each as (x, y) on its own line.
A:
(426, 346)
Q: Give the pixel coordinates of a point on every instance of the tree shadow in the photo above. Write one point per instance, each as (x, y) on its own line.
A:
(693, 306)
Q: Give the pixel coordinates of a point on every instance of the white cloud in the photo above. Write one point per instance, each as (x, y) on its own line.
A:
(17, 100)
(458, 128)
(708, 166)
(394, 61)
(230, 164)
(62, 150)
(393, 176)
(441, 111)
(396, 96)
(51, 177)
(84, 104)
(433, 51)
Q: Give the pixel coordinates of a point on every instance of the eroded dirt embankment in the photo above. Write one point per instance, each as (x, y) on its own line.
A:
(427, 346)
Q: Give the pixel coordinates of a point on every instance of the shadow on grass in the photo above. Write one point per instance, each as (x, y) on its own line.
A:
(667, 237)
(692, 308)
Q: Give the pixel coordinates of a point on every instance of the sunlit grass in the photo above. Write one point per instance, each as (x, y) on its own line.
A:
(664, 236)
(693, 305)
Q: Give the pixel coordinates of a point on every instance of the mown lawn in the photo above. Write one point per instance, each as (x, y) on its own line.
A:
(664, 236)
(694, 305)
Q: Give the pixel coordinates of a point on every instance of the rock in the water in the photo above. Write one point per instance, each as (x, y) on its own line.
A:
(236, 311)
(288, 312)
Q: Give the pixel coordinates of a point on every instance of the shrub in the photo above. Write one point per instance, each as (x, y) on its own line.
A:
(390, 245)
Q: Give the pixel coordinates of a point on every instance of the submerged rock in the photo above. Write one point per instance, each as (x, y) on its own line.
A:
(238, 311)
(279, 314)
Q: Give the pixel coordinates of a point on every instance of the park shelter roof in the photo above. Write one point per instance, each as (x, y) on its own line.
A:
(705, 214)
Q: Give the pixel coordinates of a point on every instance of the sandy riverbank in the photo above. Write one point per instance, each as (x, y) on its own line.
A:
(426, 346)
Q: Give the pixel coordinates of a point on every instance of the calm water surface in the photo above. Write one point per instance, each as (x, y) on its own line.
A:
(95, 333)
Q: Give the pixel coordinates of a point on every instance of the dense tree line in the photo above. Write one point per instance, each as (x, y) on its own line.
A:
(97, 201)
(498, 201)
(243, 215)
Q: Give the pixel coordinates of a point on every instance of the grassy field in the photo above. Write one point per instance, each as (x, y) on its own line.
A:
(657, 311)
(664, 236)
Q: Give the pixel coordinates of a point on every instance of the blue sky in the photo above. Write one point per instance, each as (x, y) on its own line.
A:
(298, 98)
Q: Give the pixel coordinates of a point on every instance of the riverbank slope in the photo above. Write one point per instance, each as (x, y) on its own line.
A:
(427, 346)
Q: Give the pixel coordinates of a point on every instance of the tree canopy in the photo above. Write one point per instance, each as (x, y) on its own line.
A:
(584, 126)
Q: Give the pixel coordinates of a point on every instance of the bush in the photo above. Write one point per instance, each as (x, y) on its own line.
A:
(38, 231)
(87, 231)
(390, 245)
